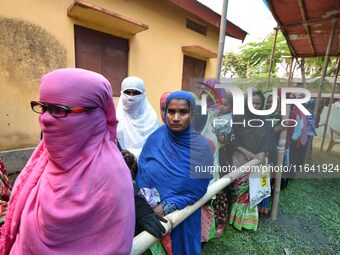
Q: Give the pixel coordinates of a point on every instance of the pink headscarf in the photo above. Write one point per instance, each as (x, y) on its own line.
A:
(162, 101)
(163, 98)
(75, 194)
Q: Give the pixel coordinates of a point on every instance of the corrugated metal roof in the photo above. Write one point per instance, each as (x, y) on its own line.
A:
(307, 25)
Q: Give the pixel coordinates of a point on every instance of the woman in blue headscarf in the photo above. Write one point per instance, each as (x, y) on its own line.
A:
(168, 162)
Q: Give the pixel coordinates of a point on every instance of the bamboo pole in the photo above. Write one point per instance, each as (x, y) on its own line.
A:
(305, 24)
(303, 73)
(144, 240)
(295, 63)
(278, 175)
(324, 69)
(272, 57)
(290, 73)
(330, 103)
(223, 25)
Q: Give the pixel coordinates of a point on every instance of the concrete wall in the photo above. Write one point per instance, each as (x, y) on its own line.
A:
(27, 52)
(37, 36)
(15, 160)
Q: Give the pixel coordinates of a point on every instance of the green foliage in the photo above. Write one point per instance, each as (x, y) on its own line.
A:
(235, 65)
(254, 58)
(257, 54)
(314, 66)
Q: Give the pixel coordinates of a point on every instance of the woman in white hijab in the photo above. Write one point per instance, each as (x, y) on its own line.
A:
(137, 119)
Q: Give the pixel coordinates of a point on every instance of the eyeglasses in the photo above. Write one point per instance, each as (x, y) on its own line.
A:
(58, 110)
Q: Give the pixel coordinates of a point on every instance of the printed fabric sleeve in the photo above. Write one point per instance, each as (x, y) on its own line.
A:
(168, 207)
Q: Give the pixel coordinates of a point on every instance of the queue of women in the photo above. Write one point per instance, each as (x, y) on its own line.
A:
(86, 188)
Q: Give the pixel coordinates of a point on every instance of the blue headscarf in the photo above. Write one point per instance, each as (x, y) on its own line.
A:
(166, 161)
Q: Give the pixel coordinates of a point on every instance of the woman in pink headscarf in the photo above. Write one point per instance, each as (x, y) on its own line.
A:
(75, 194)
(162, 102)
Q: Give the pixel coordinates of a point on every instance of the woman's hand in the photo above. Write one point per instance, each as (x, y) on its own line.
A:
(249, 155)
(147, 219)
(260, 156)
(159, 209)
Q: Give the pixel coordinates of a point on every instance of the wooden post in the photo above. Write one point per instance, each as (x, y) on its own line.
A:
(303, 73)
(280, 157)
(223, 25)
(290, 74)
(295, 62)
(272, 57)
(324, 69)
(330, 103)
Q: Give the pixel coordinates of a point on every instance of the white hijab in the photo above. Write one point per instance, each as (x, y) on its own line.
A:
(137, 119)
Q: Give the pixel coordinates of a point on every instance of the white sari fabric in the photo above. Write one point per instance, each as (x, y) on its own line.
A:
(137, 119)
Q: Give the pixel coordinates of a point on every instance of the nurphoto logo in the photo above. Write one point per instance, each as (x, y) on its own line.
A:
(239, 101)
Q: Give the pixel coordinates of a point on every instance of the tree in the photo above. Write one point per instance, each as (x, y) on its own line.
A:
(314, 66)
(233, 64)
(257, 54)
(253, 58)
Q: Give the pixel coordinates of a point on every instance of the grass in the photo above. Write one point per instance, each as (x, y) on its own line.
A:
(308, 219)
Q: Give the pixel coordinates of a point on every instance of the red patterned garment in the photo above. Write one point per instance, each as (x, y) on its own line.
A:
(5, 191)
